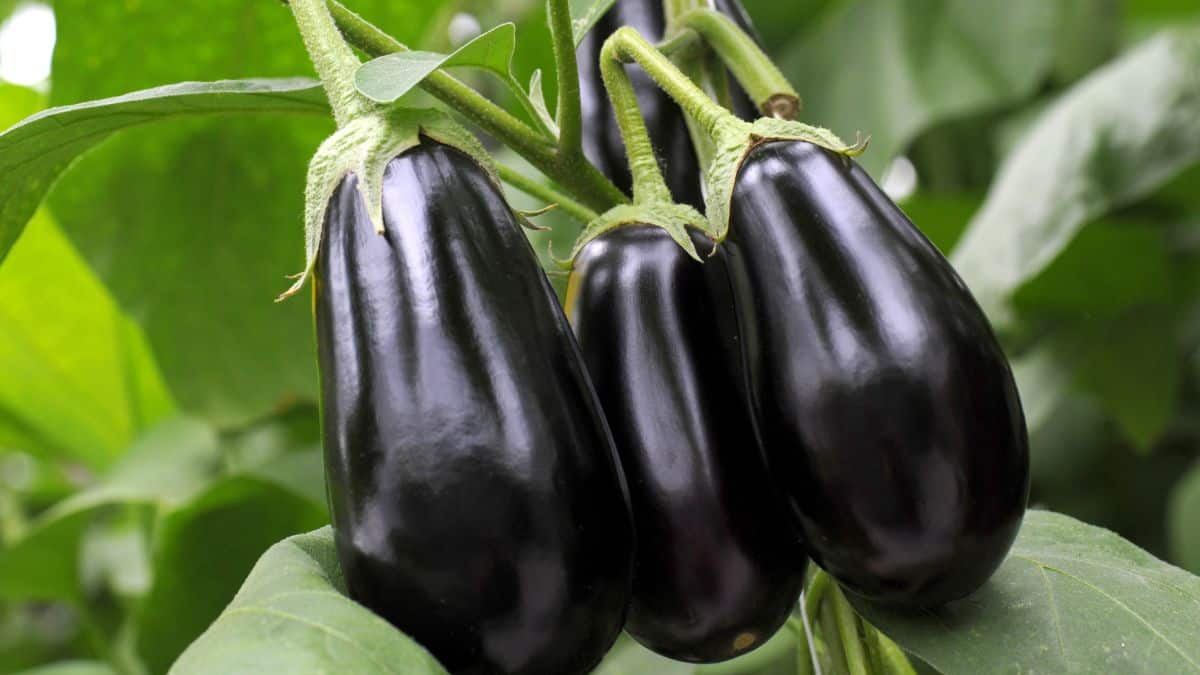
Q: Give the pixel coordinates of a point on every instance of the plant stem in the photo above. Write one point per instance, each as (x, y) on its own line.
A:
(333, 59)
(804, 664)
(847, 628)
(578, 175)
(754, 70)
(629, 45)
(539, 190)
(648, 184)
(568, 115)
(893, 659)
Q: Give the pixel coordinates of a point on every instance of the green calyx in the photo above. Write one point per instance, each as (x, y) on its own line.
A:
(363, 146)
(675, 219)
(736, 139)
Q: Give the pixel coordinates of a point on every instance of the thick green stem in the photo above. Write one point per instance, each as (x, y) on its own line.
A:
(539, 190)
(674, 8)
(576, 174)
(847, 628)
(568, 116)
(804, 664)
(648, 184)
(754, 70)
(333, 59)
(629, 45)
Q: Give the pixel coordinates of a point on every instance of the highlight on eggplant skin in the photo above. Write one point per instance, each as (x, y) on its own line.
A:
(474, 489)
(718, 566)
(889, 413)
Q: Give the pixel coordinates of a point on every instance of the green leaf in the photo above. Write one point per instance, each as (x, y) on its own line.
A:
(1183, 521)
(893, 69)
(1070, 598)
(35, 152)
(169, 464)
(80, 381)
(1132, 364)
(387, 78)
(585, 14)
(291, 616)
(1092, 150)
(203, 551)
(1081, 280)
(194, 225)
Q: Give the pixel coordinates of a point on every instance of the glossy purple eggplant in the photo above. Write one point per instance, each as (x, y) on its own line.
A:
(718, 566)
(664, 120)
(474, 488)
(888, 410)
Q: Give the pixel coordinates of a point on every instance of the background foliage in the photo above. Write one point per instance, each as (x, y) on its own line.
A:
(158, 427)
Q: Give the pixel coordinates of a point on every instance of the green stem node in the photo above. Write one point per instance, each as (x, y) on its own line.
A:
(754, 70)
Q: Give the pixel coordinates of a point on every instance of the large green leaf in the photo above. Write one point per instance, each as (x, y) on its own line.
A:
(1071, 598)
(1116, 136)
(203, 551)
(776, 656)
(292, 616)
(79, 381)
(168, 465)
(1183, 521)
(36, 151)
(194, 226)
(893, 69)
(585, 14)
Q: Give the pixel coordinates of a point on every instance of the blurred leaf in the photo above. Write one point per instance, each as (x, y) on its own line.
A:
(294, 597)
(194, 226)
(941, 216)
(777, 22)
(79, 381)
(16, 102)
(1184, 521)
(1068, 443)
(1117, 135)
(1084, 279)
(585, 14)
(1043, 380)
(1079, 51)
(387, 78)
(72, 668)
(35, 152)
(894, 68)
(1132, 364)
(1071, 598)
(203, 551)
(169, 464)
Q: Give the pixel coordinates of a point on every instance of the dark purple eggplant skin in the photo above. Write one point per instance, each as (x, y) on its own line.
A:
(718, 566)
(888, 411)
(664, 120)
(475, 492)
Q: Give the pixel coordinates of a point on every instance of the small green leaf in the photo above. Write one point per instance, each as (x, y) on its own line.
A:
(585, 14)
(1091, 151)
(389, 77)
(1183, 521)
(35, 152)
(1070, 598)
(537, 99)
(292, 616)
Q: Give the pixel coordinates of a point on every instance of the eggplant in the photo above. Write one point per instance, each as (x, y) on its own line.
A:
(475, 493)
(888, 411)
(665, 122)
(718, 566)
